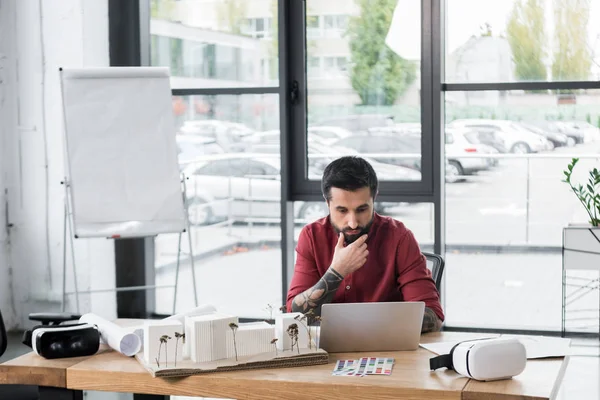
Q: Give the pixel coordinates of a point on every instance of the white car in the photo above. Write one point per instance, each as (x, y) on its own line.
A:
(328, 134)
(239, 187)
(226, 134)
(459, 144)
(245, 186)
(589, 132)
(191, 147)
(515, 139)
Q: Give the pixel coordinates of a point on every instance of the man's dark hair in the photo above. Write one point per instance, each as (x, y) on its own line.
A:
(349, 173)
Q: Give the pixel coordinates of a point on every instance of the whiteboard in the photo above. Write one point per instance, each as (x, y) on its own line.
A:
(121, 154)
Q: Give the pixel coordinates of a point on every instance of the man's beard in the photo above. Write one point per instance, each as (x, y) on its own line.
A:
(351, 238)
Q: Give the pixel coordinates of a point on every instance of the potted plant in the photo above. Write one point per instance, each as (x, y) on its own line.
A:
(581, 242)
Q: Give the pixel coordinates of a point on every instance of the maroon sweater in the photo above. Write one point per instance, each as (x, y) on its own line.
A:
(395, 269)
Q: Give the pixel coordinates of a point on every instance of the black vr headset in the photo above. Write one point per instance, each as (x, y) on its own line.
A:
(53, 340)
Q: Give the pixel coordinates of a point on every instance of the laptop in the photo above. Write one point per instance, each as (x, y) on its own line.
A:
(358, 327)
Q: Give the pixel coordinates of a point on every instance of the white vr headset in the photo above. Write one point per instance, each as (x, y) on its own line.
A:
(484, 359)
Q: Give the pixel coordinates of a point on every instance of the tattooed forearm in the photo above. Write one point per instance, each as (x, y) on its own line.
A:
(431, 322)
(321, 293)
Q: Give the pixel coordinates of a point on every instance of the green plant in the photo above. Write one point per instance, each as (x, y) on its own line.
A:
(234, 328)
(177, 337)
(589, 195)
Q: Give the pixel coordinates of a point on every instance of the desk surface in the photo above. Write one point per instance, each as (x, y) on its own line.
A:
(410, 379)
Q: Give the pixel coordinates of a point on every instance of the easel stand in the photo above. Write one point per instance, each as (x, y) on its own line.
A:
(68, 224)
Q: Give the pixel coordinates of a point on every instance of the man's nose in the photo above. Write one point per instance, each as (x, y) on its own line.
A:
(352, 222)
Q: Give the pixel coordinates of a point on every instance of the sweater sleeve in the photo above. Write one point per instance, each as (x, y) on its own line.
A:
(306, 274)
(414, 278)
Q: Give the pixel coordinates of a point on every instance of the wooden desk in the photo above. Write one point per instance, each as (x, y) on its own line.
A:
(410, 379)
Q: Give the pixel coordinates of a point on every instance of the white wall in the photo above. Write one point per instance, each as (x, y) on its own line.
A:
(34, 43)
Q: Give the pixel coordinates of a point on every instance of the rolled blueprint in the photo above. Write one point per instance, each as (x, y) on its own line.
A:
(119, 339)
(200, 310)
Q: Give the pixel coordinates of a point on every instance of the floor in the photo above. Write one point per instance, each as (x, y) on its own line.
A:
(581, 382)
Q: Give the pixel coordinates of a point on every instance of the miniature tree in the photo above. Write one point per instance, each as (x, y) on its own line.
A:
(177, 337)
(283, 308)
(234, 327)
(307, 319)
(269, 309)
(274, 343)
(292, 331)
(163, 340)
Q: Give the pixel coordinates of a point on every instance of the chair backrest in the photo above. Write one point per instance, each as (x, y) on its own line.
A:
(3, 338)
(435, 263)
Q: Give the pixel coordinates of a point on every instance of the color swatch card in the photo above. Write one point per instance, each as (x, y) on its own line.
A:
(364, 366)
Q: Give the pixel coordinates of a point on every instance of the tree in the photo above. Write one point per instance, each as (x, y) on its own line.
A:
(572, 58)
(231, 15)
(378, 75)
(526, 36)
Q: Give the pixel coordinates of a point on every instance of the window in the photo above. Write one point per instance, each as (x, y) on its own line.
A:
(357, 94)
(215, 43)
(520, 41)
(335, 25)
(505, 97)
(507, 198)
(231, 196)
(313, 67)
(313, 26)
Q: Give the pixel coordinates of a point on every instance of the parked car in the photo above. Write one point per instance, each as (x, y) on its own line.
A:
(573, 137)
(191, 147)
(457, 145)
(328, 134)
(227, 134)
(588, 132)
(514, 138)
(557, 139)
(358, 122)
(246, 186)
(403, 149)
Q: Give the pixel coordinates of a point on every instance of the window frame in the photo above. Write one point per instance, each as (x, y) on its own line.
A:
(305, 189)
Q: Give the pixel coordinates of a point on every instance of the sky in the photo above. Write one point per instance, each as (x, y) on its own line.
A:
(465, 18)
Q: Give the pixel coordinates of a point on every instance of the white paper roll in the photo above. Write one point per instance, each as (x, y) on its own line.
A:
(119, 339)
(200, 310)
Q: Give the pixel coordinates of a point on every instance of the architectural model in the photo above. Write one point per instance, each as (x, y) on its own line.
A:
(163, 342)
(207, 336)
(220, 338)
(250, 338)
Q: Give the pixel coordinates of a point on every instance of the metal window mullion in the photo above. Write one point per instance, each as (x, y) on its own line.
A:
(507, 86)
(438, 119)
(285, 26)
(233, 91)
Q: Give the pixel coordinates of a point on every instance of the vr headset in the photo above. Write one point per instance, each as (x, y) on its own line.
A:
(53, 340)
(484, 359)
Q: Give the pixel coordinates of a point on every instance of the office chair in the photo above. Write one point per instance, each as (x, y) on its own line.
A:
(14, 392)
(435, 263)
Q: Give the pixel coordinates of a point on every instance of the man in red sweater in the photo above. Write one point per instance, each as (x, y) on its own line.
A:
(356, 255)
